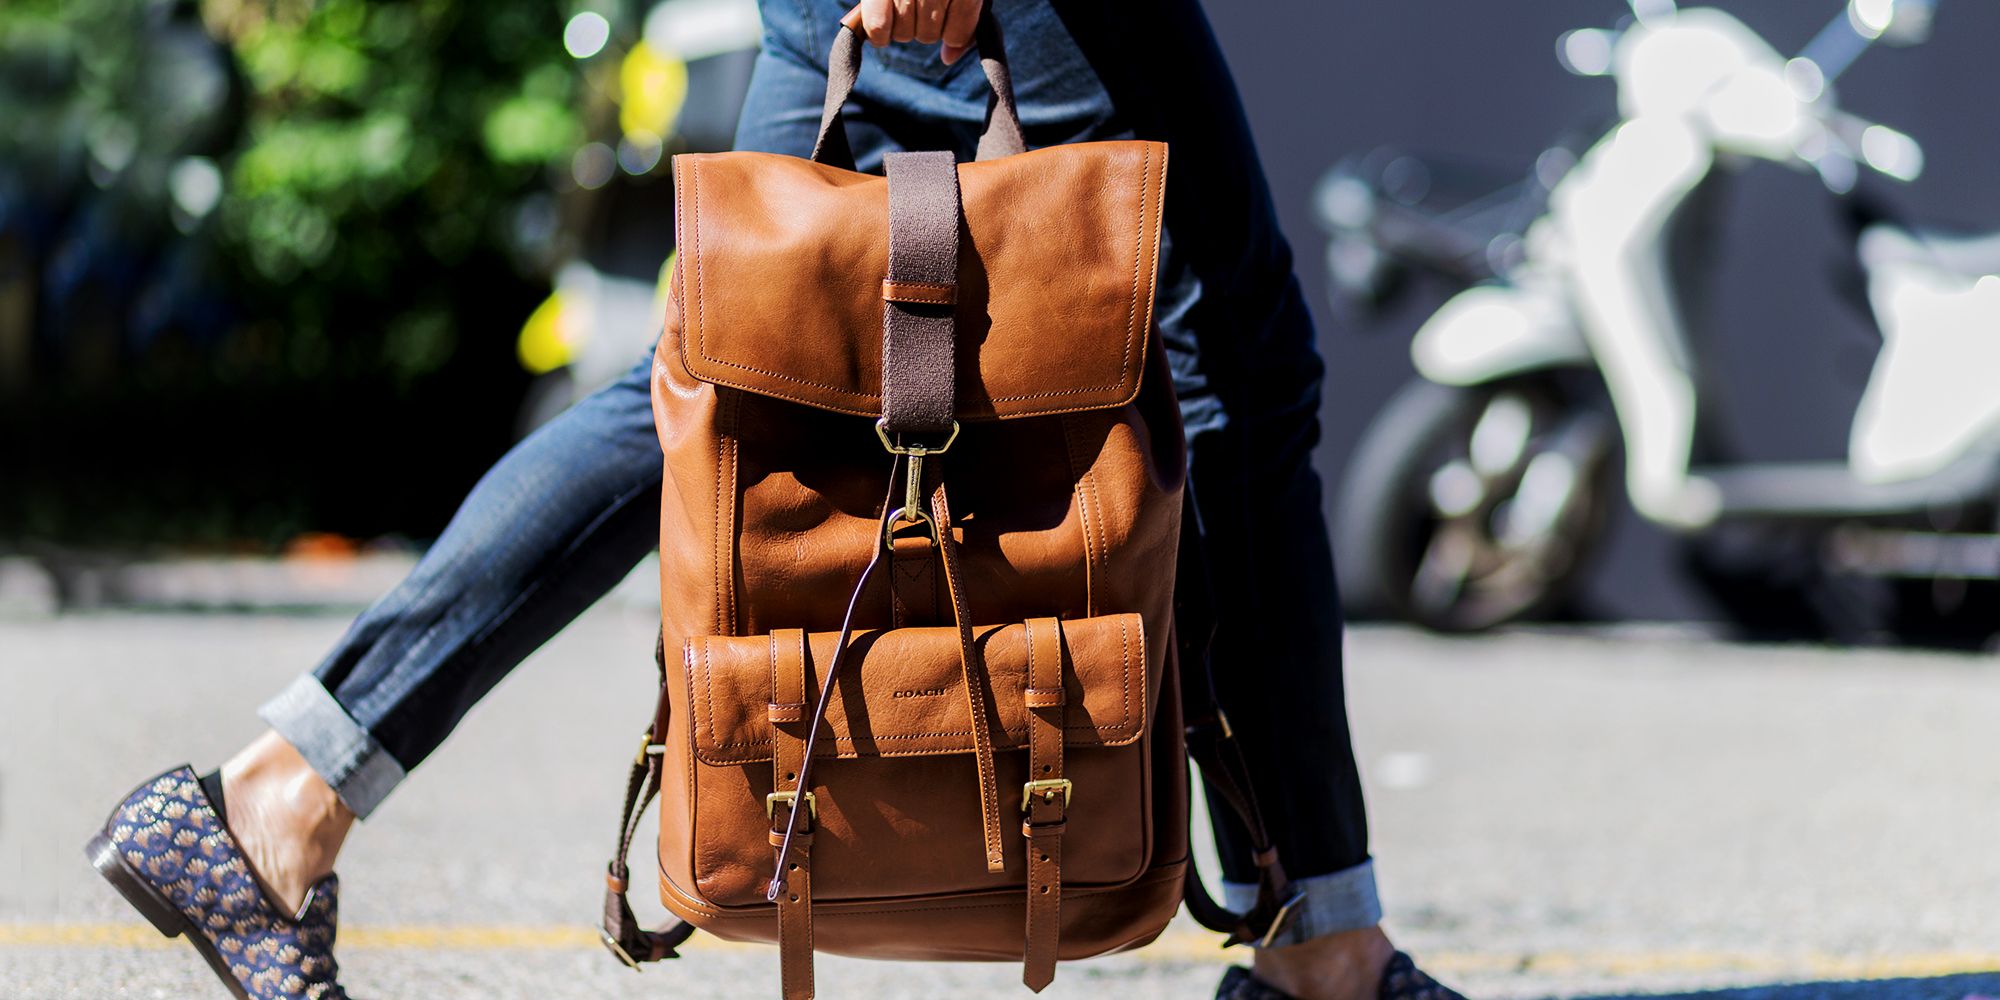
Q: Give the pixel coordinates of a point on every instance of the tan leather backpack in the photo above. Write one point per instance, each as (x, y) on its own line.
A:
(918, 539)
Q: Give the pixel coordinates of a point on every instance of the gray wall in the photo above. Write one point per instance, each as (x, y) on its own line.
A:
(1323, 78)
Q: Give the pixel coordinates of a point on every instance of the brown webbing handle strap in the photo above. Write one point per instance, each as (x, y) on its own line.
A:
(1212, 745)
(919, 349)
(1001, 137)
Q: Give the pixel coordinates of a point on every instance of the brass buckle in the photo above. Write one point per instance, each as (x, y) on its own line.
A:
(896, 447)
(618, 950)
(1047, 788)
(791, 799)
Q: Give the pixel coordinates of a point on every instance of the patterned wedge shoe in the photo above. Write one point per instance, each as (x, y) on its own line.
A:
(167, 851)
(1401, 980)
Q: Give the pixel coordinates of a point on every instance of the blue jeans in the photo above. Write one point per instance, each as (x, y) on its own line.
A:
(572, 508)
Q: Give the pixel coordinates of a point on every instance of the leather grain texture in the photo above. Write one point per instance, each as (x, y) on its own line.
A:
(782, 262)
(906, 697)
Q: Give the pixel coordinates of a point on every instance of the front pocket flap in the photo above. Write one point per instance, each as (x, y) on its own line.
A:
(902, 692)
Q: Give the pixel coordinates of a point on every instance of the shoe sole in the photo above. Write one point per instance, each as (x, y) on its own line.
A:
(156, 908)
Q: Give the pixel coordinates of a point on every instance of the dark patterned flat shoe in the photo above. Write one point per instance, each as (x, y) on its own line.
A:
(1401, 980)
(167, 851)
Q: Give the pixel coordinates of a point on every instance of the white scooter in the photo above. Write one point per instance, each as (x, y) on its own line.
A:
(1477, 495)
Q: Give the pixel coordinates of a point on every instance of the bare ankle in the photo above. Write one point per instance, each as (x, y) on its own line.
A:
(1343, 966)
(288, 821)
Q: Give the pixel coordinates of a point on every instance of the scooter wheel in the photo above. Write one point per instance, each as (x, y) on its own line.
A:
(1465, 508)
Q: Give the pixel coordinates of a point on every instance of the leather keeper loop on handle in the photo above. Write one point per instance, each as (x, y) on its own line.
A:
(920, 292)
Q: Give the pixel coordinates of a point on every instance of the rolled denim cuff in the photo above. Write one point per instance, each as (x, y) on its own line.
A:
(1342, 901)
(361, 772)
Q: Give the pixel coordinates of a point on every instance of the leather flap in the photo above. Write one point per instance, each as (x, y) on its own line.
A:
(903, 693)
(779, 287)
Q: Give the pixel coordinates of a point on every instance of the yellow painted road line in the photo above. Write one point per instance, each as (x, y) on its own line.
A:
(1176, 946)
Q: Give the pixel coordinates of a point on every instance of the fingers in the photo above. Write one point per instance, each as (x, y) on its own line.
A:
(960, 20)
(931, 20)
(878, 20)
(948, 23)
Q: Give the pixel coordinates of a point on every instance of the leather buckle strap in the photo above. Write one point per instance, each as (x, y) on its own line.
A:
(1045, 801)
(791, 680)
(973, 669)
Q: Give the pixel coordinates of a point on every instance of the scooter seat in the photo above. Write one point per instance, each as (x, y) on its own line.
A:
(1959, 252)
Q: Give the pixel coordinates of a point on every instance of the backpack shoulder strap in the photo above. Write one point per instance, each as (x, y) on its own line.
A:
(621, 932)
(1213, 747)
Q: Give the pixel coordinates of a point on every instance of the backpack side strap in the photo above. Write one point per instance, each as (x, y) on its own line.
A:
(621, 932)
(1212, 745)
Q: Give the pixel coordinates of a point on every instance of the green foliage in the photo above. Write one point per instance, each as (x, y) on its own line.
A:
(388, 140)
(382, 146)
(374, 157)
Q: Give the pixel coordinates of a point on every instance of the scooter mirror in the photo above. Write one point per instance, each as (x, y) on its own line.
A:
(1894, 22)
(1586, 51)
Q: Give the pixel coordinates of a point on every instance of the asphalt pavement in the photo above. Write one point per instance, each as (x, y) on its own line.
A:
(1623, 812)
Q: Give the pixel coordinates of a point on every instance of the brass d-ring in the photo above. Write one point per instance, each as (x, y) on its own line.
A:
(903, 517)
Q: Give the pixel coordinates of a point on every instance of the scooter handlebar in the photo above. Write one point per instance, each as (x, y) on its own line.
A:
(1885, 150)
(1862, 23)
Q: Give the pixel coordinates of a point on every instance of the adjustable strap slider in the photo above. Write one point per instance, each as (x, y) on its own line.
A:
(618, 950)
(1282, 919)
